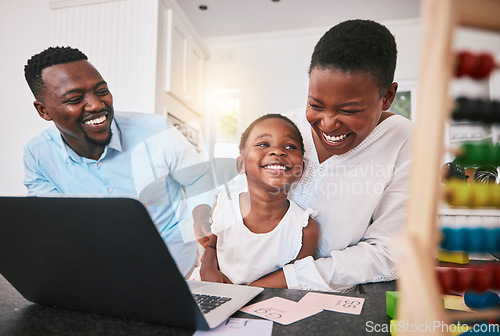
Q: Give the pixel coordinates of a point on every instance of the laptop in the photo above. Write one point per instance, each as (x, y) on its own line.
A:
(104, 256)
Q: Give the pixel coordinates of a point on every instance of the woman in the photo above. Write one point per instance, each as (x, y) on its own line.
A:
(357, 159)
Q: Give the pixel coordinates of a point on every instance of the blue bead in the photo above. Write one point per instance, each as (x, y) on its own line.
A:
(454, 239)
(476, 240)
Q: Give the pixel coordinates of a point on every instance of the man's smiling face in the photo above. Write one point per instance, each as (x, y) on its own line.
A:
(76, 98)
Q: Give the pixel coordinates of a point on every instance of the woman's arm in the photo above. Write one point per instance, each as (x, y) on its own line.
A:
(310, 237)
(370, 259)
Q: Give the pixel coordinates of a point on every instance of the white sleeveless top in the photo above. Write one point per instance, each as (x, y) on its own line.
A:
(245, 256)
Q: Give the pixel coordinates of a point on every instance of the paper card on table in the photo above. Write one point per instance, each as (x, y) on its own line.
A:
(239, 327)
(280, 310)
(337, 303)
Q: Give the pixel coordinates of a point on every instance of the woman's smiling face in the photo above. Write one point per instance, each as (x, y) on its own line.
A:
(343, 109)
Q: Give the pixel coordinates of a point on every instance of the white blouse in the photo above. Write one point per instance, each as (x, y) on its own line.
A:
(361, 198)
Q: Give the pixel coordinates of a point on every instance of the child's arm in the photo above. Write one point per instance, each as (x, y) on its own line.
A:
(310, 237)
(209, 270)
(202, 230)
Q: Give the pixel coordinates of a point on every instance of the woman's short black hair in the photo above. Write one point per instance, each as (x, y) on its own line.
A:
(48, 57)
(246, 133)
(358, 46)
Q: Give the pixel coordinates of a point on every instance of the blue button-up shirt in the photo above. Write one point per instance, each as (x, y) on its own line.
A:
(147, 159)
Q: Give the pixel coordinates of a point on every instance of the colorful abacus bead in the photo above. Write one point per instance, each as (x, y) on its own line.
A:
(471, 239)
(476, 300)
(446, 279)
(496, 111)
(453, 239)
(477, 66)
(496, 196)
(479, 153)
(464, 280)
(483, 279)
(457, 193)
(482, 110)
(477, 278)
(480, 195)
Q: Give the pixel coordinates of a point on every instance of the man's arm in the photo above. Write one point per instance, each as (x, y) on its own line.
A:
(34, 179)
(196, 177)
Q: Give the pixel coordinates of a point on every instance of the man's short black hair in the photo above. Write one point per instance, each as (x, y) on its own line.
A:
(246, 133)
(48, 57)
(358, 46)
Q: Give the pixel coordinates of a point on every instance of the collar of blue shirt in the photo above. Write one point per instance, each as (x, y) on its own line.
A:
(115, 143)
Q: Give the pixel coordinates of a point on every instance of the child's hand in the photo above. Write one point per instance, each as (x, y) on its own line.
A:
(201, 225)
(213, 275)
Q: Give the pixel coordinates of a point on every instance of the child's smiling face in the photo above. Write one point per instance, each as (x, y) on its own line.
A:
(272, 155)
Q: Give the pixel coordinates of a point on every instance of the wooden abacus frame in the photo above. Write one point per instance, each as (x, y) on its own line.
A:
(420, 297)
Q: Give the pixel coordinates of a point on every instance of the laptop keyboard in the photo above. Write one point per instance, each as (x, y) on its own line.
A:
(209, 302)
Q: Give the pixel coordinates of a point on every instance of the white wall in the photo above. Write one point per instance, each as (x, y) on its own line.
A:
(270, 70)
(24, 31)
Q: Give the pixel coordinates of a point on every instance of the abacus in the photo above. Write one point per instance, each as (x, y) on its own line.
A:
(420, 281)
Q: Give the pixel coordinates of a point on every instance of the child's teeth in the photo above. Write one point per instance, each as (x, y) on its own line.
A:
(275, 167)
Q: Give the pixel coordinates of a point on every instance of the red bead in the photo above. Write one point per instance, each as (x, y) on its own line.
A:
(482, 279)
(466, 64)
(494, 268)
(464, 280)
(485, 63)
(477, 66)
(447, 278)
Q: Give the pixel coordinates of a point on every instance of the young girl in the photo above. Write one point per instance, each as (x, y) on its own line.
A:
(257, 232)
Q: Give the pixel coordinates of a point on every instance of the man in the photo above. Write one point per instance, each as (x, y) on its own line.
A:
(92, 151)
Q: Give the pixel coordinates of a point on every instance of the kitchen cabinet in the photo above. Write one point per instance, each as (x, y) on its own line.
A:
(185, 73)
(147, 50)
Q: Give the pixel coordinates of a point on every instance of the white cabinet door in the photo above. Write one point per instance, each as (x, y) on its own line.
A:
(183, 59)
(195, 76)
